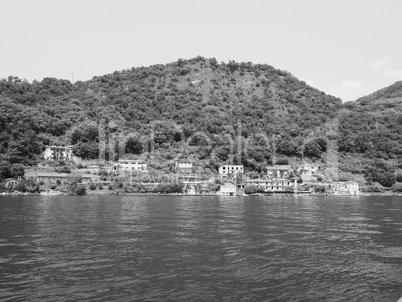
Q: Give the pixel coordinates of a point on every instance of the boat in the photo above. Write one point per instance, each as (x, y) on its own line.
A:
(49, 192)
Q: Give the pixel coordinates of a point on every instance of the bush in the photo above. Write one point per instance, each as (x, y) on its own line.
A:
(81, 191)
(92, 186)
(397, 188)
(100, 187)
(282, 161)
(250, 189)
(20, 187)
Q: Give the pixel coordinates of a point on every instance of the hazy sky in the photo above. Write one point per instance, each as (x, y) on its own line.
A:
(347, 48)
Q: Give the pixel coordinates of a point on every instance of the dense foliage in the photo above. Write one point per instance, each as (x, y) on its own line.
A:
(198, 109)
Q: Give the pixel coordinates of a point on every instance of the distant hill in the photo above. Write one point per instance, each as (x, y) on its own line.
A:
(201, 102)
(371, 134)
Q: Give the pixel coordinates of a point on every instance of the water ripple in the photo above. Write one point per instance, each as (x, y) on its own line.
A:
(161, 248)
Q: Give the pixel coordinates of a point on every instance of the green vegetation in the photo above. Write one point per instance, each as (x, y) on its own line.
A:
(192, 109)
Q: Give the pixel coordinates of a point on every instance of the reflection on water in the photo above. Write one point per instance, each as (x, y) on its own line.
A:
(158, 248)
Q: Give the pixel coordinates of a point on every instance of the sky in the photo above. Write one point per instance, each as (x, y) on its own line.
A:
(346, 48)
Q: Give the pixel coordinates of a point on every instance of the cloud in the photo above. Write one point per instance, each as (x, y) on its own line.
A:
(347, 90)
(379, 64)
(393, 74)
(351, 84)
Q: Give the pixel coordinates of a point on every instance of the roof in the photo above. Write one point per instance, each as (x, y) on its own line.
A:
(232, 166)
(60, 175)
(131, 160)
(279, 167)
(189, 176)
(60, 147)
(228, 184)
(50, 174)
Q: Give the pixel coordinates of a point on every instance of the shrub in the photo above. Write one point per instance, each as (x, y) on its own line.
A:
(81, 191)
(397, 188)
(92, 186)
(250, 189)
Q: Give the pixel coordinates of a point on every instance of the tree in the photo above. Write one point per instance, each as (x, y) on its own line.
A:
(134, 145)
(73, 183)
(80, 190)
(250, 189)
(5, 170)
(320, 189)
(86, 150)
(20, 187)
(17, 171)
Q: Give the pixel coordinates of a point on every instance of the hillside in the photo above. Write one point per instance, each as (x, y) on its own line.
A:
(371, 135)
(194, 109)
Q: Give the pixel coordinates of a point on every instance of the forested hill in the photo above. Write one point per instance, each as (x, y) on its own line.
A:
(187, 96)
(371, 135)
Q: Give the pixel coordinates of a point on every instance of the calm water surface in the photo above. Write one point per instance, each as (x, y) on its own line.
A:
(151, 248)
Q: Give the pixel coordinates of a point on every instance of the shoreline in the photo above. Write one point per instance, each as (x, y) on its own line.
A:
(206, 195)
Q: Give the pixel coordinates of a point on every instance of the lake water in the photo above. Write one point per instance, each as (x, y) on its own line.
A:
(158, 248)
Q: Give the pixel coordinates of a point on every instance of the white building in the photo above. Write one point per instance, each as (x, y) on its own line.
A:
(309, 172)
(344, 188)
(184, 166)
(278, 171)
(60, 153)
(273, 185)
(52, 178)
(11, 182)
(231, 169)
(227, 189)
(130, 165)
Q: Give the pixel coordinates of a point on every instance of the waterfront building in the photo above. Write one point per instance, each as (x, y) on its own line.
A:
(272, 185)
(191, 183)
(278, 171)
(231, 169)
(227, 189)
(344, 188)
(52, 178)
(11, 182)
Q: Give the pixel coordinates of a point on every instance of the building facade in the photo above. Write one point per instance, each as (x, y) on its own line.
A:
(52, 178)
(344, 188)
(231, 169)
(60, 153)
(309, 172)
(227, 189)
(273, 185)
(278, 171)
(131, 165)
(184, 166)
(191, 183)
